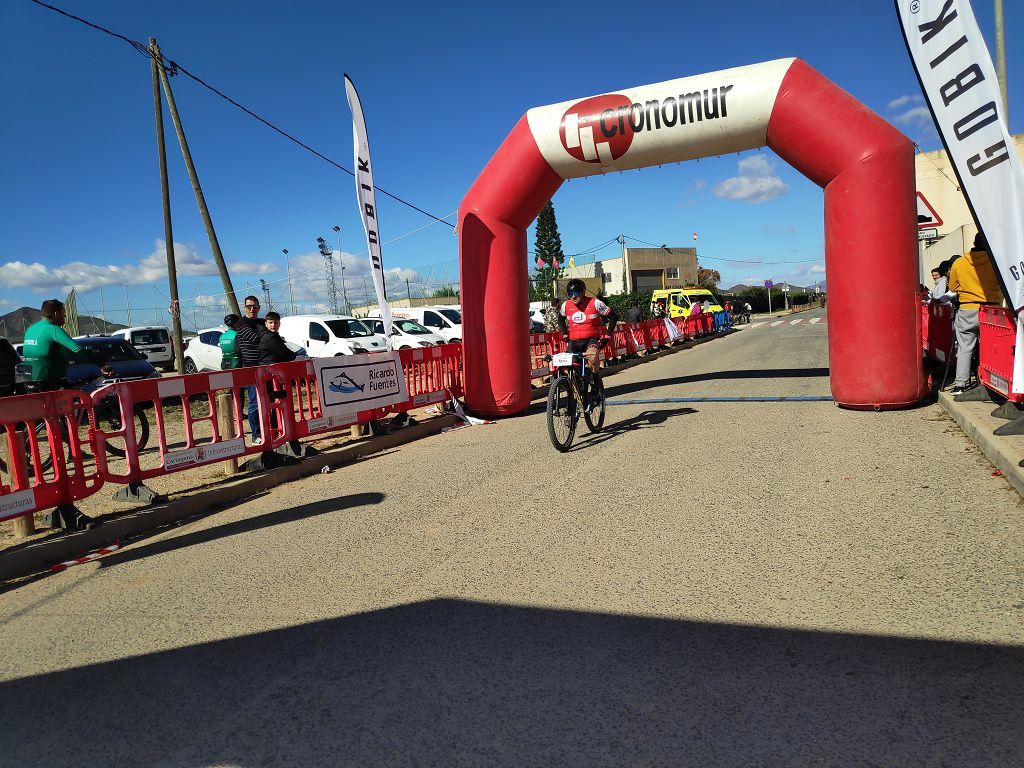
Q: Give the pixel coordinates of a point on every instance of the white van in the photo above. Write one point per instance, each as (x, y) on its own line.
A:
(405, 333)
(331, 335)
(153, 341)
(444, 321)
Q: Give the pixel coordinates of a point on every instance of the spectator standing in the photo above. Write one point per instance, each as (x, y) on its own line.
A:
(940, 277)
(551, 318)
(248, 330)
(974, 282)
(273, 350)
(633, 313)
(271, 346)
(659, 309)
(227, 344)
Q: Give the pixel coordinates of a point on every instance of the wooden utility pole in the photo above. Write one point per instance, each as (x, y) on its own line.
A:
(225, 278)
(172, 270)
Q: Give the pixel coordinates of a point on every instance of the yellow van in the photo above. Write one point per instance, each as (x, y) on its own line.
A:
(680, 301)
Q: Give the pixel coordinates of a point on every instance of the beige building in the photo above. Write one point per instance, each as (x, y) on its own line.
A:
(937, 183)
(648, 269)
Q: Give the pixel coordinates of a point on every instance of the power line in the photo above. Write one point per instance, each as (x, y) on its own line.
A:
(735, 261)
(173, 68)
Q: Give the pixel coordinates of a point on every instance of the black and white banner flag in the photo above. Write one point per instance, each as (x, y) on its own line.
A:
(367, 201)
(960, 86)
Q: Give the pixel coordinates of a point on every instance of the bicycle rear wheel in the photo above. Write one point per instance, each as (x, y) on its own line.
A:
(594, 413)
(562, 413)
(110, 417)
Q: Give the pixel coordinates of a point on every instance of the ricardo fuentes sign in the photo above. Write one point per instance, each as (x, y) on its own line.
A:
(347, 385)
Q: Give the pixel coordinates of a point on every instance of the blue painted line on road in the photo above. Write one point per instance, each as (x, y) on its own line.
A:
(780, 399)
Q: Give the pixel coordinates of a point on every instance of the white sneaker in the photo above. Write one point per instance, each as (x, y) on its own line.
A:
(257, 441)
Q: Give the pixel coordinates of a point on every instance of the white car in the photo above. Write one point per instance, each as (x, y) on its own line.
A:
(153, 341)
(202, 352)
(405, 334)
(331, 335)
(446, 321)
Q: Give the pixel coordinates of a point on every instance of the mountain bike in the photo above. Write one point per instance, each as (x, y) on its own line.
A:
(575, 390)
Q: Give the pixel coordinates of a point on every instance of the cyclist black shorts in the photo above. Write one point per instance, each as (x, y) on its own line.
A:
(579, 346)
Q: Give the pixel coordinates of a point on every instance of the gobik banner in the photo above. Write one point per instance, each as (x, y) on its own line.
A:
(347, 385)
(962, 91)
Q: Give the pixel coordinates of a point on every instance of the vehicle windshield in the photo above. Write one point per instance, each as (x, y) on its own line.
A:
(107, 351)
(700, 299)
(348, 329)
(452, 314)
(410, 326)
(152, 336)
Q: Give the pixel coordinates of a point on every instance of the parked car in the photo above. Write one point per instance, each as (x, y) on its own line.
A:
(124, 362)
(202, 352)
(405, 333)
(446, 321)
(331, 335)
(153, 341)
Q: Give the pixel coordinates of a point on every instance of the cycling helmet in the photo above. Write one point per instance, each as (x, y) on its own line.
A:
(575, 286)
(230, 320)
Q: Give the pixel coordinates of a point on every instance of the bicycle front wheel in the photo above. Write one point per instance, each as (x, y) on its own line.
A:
(562, 413)
(110, 418)
(594, 413)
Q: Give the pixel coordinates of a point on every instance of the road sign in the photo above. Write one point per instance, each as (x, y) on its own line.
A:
(928, 234)
(768, 284)
(926, 215)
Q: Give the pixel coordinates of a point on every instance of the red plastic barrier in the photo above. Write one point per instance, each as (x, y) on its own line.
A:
(937, 330)
(45, 464)
(542, 344)
(432, 375)
(996, 344)
(178, 455)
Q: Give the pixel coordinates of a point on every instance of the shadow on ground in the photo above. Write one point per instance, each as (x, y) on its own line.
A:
(611, 430)
(447, 682)
(757, 373)
(281, 516)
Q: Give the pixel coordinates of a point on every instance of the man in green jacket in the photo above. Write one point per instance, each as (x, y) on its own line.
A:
(48, 348)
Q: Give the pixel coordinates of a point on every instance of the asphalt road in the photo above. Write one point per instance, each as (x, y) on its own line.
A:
(702, 584)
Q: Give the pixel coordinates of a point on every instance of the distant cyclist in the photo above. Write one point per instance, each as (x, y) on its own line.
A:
(582, 319)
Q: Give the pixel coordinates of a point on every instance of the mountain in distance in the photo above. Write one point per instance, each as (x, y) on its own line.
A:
(13, 324)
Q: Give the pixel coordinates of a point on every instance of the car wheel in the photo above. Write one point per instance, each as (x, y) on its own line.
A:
(190, 366)
(455, 341)
(404, 346)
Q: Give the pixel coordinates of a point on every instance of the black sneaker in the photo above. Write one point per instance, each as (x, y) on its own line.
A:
(958, 390)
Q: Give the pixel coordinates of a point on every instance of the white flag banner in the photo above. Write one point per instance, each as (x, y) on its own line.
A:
(960, 86)
(368, 202)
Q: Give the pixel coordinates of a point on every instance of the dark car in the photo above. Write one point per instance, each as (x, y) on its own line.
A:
(124, 361)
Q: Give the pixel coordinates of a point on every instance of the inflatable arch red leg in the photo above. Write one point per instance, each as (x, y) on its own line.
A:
(865, 166)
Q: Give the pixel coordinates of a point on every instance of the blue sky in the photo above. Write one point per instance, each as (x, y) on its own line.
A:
(441, 84)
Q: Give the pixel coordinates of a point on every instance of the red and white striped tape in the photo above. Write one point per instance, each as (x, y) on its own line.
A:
(95, 554)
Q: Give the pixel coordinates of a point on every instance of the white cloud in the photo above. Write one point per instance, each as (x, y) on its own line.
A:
(755, 183)
(700, 184)
(917, 116)
(902, 101)
(151, 268)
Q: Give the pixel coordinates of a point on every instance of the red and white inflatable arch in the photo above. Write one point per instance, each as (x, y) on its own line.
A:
(865, 166)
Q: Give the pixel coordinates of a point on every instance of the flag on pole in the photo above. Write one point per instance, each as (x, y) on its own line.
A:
(367, 202)
(540, 264)
(694, 235)
(572, 262)
(960, 85)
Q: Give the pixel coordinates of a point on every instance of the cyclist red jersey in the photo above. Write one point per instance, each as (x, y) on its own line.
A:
(585, 319)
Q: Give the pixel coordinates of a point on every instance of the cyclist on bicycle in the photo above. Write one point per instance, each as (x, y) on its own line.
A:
(48, 348)
(582, 320)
